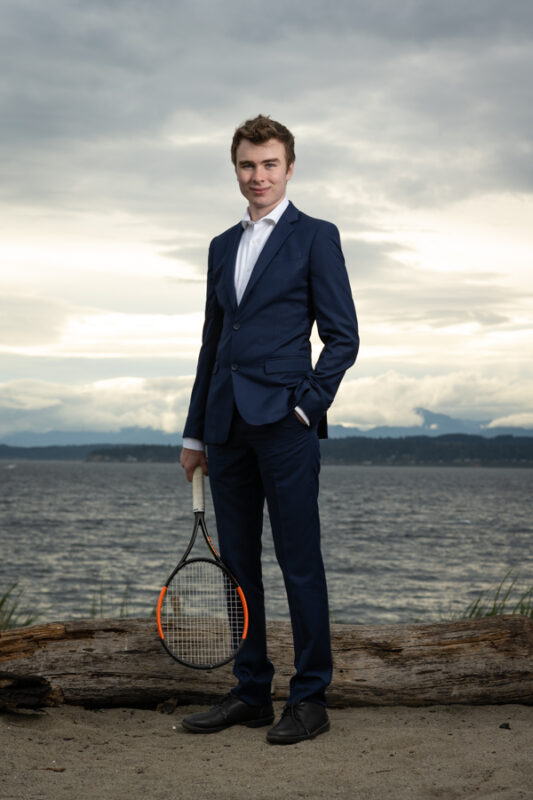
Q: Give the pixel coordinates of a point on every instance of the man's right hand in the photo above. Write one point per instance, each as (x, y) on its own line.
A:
(190, 459)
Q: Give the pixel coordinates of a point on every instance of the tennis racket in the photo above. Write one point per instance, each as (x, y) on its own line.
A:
(202, 616)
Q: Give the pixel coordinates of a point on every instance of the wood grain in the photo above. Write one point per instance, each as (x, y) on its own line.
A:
(113, 662)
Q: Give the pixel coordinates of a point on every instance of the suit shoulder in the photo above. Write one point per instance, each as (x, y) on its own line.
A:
(316, 224)
(229, 233)
(220, 245)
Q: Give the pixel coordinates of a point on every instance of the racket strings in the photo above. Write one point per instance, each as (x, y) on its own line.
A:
(202, 616)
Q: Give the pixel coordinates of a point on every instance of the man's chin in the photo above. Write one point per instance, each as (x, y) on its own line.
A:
(260, 200)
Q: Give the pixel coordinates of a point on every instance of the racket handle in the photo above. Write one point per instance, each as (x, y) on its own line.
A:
(198, 496)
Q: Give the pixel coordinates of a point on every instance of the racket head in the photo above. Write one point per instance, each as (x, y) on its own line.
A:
(202, 616)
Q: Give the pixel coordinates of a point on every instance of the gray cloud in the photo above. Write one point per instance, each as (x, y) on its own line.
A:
(127, 107)
(404, 297)
(424, 101)
(391, 398)
(159, 403)
(31, 320)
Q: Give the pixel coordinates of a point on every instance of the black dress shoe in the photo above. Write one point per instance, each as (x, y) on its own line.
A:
(298, 722)
(229, 711)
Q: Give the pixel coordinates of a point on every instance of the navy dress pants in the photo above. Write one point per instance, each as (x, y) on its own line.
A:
(279, 462)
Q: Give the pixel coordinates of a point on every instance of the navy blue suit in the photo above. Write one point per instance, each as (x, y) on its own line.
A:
(254, 367)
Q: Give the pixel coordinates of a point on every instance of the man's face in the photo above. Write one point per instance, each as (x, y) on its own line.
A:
(262, 173)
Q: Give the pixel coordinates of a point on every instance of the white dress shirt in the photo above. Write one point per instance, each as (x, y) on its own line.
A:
(252, 241)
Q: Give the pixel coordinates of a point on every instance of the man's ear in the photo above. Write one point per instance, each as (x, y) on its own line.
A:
(290, 170)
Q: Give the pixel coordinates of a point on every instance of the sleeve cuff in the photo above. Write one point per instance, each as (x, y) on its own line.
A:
(303, 415)
(192, 444)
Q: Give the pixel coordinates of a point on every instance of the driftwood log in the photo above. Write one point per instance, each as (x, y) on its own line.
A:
(121, 662)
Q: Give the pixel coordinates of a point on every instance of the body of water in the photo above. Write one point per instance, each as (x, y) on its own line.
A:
(401, 544)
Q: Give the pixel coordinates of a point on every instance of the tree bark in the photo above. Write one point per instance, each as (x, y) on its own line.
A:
(111, 662)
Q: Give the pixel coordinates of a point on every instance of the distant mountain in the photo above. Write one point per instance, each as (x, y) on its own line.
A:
(433, 424)
(66, 438)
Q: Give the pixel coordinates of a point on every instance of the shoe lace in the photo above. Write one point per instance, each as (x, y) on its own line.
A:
(292, 710)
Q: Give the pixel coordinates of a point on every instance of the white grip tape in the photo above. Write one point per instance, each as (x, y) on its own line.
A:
(198, 496)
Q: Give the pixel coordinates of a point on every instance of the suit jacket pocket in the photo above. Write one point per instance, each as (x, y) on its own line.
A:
(293, 364)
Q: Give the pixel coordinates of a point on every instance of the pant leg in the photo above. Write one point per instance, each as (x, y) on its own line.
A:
(238, 500)
(288, 455)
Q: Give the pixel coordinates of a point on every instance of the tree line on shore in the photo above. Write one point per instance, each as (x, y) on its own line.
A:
(449, 449)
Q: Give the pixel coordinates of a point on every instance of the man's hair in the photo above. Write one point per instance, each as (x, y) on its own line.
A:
(260, 130)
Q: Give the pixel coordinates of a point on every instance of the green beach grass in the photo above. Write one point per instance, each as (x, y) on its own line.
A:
(11, 613)
(503, 599)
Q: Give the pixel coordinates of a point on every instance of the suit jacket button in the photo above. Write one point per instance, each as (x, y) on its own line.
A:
(235, 367)
(236, 326)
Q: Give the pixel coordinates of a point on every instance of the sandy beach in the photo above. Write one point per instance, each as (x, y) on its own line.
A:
(371, 753)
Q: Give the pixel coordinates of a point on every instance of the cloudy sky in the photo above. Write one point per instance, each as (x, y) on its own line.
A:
(413, 123)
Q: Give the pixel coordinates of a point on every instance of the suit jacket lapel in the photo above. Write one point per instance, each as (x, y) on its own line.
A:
(282, 229)
(231, 255)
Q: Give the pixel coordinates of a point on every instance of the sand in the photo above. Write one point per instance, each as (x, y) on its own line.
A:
(446, 752)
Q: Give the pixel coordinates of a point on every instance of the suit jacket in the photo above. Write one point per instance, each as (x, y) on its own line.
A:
(257, 354)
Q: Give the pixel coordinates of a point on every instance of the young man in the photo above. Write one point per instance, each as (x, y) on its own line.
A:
(260, 406)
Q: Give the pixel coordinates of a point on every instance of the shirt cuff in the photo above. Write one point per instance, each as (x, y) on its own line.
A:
(192, 444)
(303, 415)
